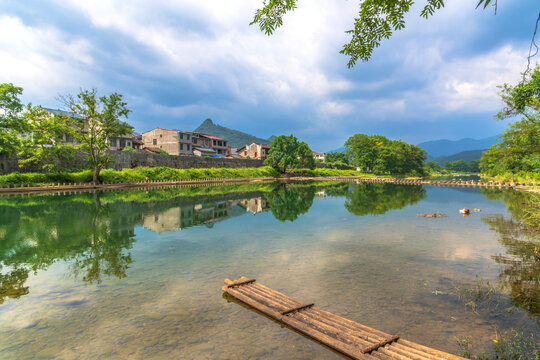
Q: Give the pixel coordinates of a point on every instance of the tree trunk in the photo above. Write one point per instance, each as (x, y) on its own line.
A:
(96, 179)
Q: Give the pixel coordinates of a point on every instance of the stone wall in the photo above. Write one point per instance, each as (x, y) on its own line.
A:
(125, 159)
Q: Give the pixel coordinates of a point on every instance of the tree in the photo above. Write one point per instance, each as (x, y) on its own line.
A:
(11, 122)
(283, 153)
(337, 157)
(97, 122)
(362, 150)
(433, 165)
(519, 148)
(381, 155)
(305, 156)
(377, 20)
(44, 145)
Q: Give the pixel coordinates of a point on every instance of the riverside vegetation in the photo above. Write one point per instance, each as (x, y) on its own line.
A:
(160, 174)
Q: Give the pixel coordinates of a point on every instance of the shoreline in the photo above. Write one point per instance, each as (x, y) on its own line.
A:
(65, 187)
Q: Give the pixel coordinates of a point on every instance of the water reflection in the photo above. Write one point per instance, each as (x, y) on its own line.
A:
(288, 203)
(377, 199)
(94, 232)
(520, 237)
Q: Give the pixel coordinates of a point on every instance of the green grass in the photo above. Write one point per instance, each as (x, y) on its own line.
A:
(521, 177)
(328, 172)
(137, 174)
(162, 174)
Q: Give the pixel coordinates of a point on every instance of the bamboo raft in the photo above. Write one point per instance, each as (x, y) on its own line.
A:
(342, 335)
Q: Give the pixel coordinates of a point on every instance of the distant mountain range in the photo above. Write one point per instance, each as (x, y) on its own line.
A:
(235, 138)
(464, 155)
(451, 150)
(438, 148)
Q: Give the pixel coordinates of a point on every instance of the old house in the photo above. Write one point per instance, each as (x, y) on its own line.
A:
(319, 156)
(205, 142)
(115, 143)
(174, 142)
(254, 151)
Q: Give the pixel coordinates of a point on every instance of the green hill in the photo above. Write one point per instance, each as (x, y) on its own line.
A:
(464, 155)
(235, 138)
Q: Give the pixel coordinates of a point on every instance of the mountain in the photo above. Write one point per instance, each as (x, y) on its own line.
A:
(235, 138)
(438, 148)
(341, 149)
(464, 155)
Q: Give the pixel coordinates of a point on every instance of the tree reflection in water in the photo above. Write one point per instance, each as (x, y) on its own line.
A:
(377, 199)
(92, 237)
(287, 203)
(520, 236)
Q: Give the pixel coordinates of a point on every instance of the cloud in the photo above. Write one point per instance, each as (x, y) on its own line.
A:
(180, 62)
(44, 61)
(471, 85)
(288, 66)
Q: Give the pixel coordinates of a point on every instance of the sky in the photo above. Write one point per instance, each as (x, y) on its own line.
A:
(180, 62)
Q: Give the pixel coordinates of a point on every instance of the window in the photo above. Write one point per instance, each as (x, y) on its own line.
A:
(214, 142)
(187, 137)
(181, 147)
(154, 141)
(160, 135)
(128, 143)
(181, 136)
(69, 138)
(112, 142)
(122, 143)
(188, 147)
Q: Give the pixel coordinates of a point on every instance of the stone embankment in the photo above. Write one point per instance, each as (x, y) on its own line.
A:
(221, 181)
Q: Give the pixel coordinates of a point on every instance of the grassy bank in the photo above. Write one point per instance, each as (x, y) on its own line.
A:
(522, 177)
(137, 174)
(162, 174)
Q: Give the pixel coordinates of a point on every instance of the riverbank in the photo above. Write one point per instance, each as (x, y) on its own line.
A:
(150, 184)
(162, 174)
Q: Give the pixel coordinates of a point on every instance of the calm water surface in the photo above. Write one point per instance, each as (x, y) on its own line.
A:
(136, 275)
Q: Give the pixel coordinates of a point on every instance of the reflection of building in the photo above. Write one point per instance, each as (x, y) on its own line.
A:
(163, 221)
(254, 205)
(320, 194)
(182, 217)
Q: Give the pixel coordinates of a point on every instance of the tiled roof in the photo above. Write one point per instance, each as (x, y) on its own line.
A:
(204, 149)
(212, 137)
(62, 112)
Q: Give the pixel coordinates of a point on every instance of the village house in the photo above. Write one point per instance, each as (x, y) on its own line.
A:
(320, 156)
(173, 142)
(206, 143)
(115, 143)
(254, 151)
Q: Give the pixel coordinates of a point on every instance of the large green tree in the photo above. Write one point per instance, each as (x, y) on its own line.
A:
(305, 156)
(12, 124)
(519, 148)
(96, 120)
(283, 153)
(383, 156)
(377, 20)
(44, 144)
